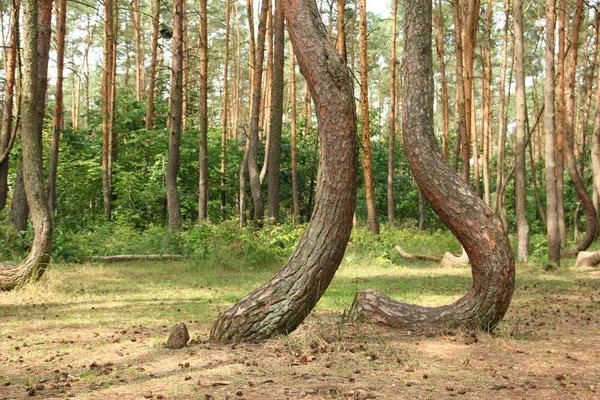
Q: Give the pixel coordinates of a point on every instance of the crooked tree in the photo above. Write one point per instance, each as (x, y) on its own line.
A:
(475, 225)
(283, 302)
(34, 265)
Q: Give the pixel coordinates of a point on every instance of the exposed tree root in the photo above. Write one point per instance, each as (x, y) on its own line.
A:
(450, 260)
(410, 256)
(588, 259)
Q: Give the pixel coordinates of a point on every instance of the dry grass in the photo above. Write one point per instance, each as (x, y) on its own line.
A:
(95, 332)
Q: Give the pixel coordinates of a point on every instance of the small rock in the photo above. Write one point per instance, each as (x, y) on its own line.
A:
(187, 378)
(178, 338)
(363, 395)
(412, 383)
(147, 395)
(160, 396)
(462, 391)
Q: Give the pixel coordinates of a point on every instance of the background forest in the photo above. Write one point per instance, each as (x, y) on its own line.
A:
(152, 108)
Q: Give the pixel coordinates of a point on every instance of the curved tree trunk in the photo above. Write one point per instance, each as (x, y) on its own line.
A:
(588, 258)
(474, 223)
(282, 303)
(35, 263)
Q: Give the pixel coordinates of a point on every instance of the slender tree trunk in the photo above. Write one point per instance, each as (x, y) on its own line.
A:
(502, 111)
(276, 113)
(153, 60)
(341, 29)
(254, 123)
(203, 173)
(294, 133)
(225, 110)
(590, 211)
(366, 124)
(478, 229)
(173, 203)
(19, 209)
(560, 119)
(461, 125)
(138, 54)
(553, 232)
(107, 122)
(61, 18)
(595, 143)
(281, 304)
(34, 265)
(8, 134)
(521, 143)
(439, 45)
(392, 118)
(487, 100)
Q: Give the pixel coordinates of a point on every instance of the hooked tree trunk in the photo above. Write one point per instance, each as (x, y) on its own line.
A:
(282, 303)
(468, 217)
(34, 265)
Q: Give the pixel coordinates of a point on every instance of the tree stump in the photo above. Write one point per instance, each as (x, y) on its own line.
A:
(588, 259)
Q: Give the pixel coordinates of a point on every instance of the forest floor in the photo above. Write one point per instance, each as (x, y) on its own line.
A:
(96, 332)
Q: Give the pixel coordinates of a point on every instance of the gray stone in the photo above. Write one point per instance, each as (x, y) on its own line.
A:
(178, 337)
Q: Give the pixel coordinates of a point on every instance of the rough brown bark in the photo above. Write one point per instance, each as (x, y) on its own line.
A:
(281, 304)
(173, 202)
(392, 118)
(588, 205)
(439, 45)
(475, 224)
(276, 113)
(34, 265)
(560, 120)
(203, 151)
(8, 134)
(461, 127)
(366, 123)
(19, 210)
(341, 30)
(61, 18)
(521, 143)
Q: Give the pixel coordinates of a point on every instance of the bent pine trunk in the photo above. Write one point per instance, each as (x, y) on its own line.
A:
(476, 226)
(281, 304)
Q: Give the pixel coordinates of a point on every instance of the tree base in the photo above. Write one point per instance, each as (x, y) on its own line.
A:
(588, 259)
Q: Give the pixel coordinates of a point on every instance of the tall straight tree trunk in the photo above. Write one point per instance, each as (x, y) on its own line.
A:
(282, 303)
(439, 45)
(203, 126)
(173, 203)
(467, 216)
(138, 54)
(392, 118)
(487, 116)
(294, 133)
(560, 119)
(366, 123)
(462, 145)
(8, 135)
(502, 112)
(590, 211)
(19, 210)
(521, 143)
(595, 144)
(35, 264)
(61, 18)
(341, 29)
(254, 122)
(153, 61)
(276, 112)
(552, 230)
(225, 111)
(107, 114)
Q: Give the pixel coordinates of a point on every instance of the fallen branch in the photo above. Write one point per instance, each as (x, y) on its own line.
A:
(588, 259)
(133, 257)
(410, 256)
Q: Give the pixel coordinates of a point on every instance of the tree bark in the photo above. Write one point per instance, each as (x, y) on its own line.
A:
(203, 151)
(253, 170)
(19, 210)
(107, 107)
(61, 18)
(502, 111)
(173, 202)
(521, 143)
(153, 60)
(276, 113)
(138, 53)
(392, 118)
(34, 265)
(366, 123)
(341, 30)
(560, 120)
(588, 259)
(8, 134)
(595, 143)
(590, 211)
(461, 127)
(225, 111)
(439, 45)
(281, 304)
(475, 224)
